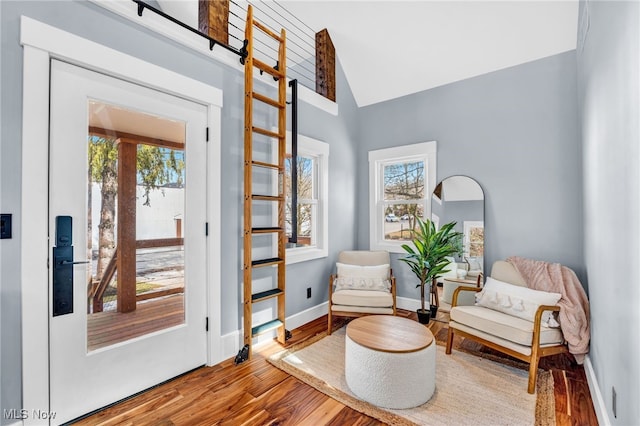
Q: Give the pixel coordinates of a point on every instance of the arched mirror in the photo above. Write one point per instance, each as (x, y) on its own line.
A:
(460, 199)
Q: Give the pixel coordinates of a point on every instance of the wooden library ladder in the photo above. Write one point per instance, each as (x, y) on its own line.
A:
(278, 72)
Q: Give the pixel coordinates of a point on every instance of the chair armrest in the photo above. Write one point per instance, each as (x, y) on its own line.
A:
(332, 278)
(543, 308)
(537, 322)
(454, 299)
(392, 279)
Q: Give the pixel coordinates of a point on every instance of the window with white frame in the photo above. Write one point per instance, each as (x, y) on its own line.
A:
(311, 229)
(401, 180)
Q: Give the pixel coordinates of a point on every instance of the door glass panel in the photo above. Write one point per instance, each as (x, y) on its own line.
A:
(136, 198)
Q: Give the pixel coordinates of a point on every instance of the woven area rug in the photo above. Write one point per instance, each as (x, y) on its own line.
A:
(470, 390)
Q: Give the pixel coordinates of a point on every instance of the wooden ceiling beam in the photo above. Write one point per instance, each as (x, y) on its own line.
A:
(325, 66)
(213, 19)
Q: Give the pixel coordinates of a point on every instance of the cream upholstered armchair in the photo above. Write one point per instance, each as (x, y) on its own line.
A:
(510, 318)
(362, 285)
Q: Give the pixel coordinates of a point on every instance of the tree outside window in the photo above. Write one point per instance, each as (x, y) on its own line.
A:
(306, 203)
(403, 198)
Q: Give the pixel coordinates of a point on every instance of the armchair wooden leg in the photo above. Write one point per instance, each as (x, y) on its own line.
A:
(533, 374)
(449, 341)
(330, 323)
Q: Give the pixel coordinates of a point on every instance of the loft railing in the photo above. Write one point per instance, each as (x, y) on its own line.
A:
(304, 46)
(301, 47)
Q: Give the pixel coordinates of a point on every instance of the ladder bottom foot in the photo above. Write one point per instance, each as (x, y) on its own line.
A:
(243, 355)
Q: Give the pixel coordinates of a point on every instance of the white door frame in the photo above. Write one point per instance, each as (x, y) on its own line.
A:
(42, 42)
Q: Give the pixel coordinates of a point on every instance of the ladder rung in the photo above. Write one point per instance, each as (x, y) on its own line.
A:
(267, 326)
(266, 68)
(263, 164)
(263, 295)
(267, 197)
(267, 132)
(267, 100)
(266, 262)
(267, 30)
(266, 230)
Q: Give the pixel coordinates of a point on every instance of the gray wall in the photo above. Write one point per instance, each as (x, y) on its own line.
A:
(608, 76)
(461, 211)
(515, 131)
(94, 23)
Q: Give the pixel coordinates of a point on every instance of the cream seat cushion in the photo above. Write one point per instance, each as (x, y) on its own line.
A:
(503, 326)
(365, 298)
(362, 309)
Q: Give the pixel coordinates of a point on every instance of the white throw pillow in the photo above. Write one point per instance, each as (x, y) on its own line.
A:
(518, 301)
(355, 277)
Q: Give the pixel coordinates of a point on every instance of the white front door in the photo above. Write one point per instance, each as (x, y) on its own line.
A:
(127, 217)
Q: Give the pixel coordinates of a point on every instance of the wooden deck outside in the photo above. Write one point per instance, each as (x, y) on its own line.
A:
(158, 266)
(107, 328)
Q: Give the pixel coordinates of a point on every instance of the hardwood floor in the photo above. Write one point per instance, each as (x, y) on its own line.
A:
(256, 393)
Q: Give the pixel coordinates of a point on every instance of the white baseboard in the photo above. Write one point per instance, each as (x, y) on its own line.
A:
(308, 315)
(408, 304)
(232, 342)
(596, 396)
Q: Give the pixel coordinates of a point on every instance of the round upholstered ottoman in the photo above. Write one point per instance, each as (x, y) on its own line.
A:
(390, 361)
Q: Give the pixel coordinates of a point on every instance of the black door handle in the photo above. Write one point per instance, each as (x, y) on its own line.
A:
(62, 270)
(70, 262)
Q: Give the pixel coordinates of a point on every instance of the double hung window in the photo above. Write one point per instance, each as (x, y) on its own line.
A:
(401, 181)
(307, 229)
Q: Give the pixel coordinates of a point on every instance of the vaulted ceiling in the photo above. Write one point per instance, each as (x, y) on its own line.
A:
(390, 49)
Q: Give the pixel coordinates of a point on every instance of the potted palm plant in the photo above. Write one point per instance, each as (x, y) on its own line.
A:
(427, 256)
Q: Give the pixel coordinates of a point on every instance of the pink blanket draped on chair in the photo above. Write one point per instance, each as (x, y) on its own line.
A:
(574, 305)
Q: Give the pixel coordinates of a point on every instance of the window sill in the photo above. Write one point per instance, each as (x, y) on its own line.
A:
(303, 254)
(389, 246)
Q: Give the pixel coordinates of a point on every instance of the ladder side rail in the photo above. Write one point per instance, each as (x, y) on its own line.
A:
(282, 151)
(248, 200)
